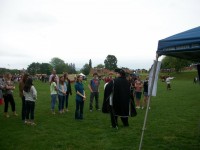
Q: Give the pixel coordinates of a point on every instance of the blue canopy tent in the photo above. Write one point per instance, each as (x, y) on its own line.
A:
(185, 45)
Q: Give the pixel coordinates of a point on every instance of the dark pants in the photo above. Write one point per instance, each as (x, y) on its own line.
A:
(96, 96)
(168, 86)
(61, 99)
(30, 108)
(23, 108)
(114, 119)
(66, 100)
(9, 98)
(79, 109)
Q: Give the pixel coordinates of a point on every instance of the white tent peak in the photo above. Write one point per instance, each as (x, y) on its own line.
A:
(82, 74)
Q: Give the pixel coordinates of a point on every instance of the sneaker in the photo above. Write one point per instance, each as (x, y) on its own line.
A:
(15, 114)
(114, 127)
(138, 107)
(7, 116)
(33, 124)
(27, 122)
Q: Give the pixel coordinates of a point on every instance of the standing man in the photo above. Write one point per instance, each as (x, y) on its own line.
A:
(117, 92)
(54, 74)
(94, 89)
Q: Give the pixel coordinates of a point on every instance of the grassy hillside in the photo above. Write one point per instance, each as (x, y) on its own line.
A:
(173, 123)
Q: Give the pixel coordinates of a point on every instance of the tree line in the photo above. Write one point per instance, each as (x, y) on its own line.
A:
(60, 66)
(178, 64)
(46, 68)
(110, 63)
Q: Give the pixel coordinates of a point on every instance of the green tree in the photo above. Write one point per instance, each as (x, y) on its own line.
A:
(110, 62)
(58, 64)
(46, 68)
(90, 63)
(169, 62)
(12, 71)
(71, 68)
(56, 61)
(60, 68)
(34, 68)
(86, 69)
(100, 66)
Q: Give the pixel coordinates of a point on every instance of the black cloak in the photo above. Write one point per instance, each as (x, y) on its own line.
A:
(121, 97)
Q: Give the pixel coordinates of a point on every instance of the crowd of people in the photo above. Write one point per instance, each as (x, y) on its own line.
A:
(123, 91)
(27, 93)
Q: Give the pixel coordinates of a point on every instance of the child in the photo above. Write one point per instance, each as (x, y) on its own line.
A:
(80, 97)
(30, 95)
(94, 91)
(53, 90)
(168, 81)
(145, 92)
(138, 92)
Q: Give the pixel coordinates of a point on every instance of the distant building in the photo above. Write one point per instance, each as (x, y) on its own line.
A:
(104, 72)
(100, 71)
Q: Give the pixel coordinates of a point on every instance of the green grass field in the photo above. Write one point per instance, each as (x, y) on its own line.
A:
(173, 123)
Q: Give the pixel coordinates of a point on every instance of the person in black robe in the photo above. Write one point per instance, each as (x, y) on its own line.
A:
(117, 99)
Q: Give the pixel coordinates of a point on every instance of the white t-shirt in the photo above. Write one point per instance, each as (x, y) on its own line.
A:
(168, 79)
(32, 95)
(52, 88)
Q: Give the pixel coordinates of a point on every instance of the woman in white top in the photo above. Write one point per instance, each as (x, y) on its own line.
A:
(30, 95)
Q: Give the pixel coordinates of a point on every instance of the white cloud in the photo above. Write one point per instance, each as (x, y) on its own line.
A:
(79, 30)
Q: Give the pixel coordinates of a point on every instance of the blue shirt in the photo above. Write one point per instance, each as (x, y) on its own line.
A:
(79, 87)
(94, 83)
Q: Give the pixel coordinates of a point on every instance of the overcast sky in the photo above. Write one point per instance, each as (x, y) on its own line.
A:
(79, 30)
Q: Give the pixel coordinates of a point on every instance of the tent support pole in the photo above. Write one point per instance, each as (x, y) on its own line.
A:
(148, 102)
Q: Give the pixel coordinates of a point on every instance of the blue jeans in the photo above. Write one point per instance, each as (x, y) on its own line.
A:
(53, 101)
(61, 99)
(79, 109)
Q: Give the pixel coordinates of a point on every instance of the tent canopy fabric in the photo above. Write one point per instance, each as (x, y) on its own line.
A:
(184, 45)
